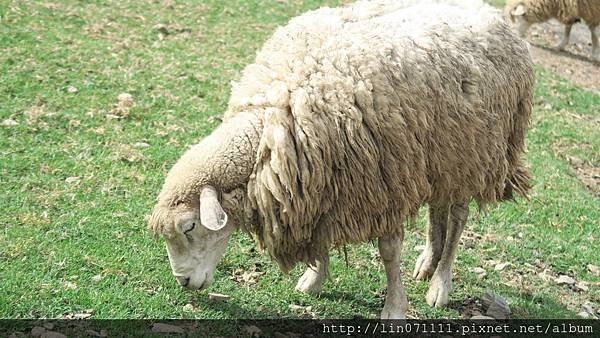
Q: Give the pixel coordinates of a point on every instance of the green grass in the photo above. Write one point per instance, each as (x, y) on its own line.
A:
(56, 236)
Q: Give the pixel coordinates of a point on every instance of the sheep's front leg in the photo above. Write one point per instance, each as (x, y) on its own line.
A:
(565, 41)
(436, 236)
(441, 281)
(595, 43)
(313, 278)
(396, 303)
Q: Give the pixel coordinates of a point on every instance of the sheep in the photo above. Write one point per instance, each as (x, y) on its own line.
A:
(527, 12)
(342, 128)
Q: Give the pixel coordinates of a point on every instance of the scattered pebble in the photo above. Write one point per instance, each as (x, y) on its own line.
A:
(564, 279)
(72, 89)
(97, 278)
(482, 317)
(501, 266)
(218, 296)
(141, 145)
(73, 179)
(295, 307)
(582, 286)
(496, 306)
(478, 270)
(125, 99)
(189, 307)
(594, 269)
(10, 123)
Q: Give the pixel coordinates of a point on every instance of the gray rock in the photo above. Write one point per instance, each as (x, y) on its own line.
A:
(495, 306)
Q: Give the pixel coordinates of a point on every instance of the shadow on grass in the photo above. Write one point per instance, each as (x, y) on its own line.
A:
(522, 305)
(565, 53)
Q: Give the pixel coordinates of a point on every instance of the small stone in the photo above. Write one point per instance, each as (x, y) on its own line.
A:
(501, 266)
(162, 29)
(575, 161)
(481, 317)
(594, 269)
(582, 286)
(97, 278)
(37, 331)
(125, 99)
(72, 89)
(419, 248)
(496, 306)
(478, 270)
(295, 307)
(218, 296)
(564, 279)
(81, 315)
(587, 308)
(10, 123)
(584, 315)
(141, 145)
(189, 307)
(166, 328)
(73, 179)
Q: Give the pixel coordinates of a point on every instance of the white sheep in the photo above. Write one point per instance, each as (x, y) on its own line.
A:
(342, 128)
(527, 12)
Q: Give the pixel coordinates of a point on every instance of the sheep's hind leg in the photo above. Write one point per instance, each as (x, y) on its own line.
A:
(441, 281)
(396, 302)
(565, 41)
(436, 236)
(313, 278)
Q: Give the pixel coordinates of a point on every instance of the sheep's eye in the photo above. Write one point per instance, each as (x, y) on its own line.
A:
(188, 227)
(178, 203)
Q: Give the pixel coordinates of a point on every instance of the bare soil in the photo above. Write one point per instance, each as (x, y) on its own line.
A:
(574, 63)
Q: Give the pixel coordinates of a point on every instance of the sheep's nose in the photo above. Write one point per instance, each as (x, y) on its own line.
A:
(183, 281)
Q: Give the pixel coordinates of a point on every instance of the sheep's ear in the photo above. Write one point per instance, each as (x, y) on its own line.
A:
(519, 10)
(212, 215)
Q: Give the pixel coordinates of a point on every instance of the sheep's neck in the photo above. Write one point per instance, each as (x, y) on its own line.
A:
(225, 159)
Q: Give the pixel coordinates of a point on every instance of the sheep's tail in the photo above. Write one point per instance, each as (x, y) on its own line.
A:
(518, 178)
(518, 182)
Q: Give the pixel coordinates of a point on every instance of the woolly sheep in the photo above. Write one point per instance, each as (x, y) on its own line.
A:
(342, 128)
(527, 12)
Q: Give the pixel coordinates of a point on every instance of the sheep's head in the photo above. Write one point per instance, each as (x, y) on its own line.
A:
(196, 231)
(518, 14)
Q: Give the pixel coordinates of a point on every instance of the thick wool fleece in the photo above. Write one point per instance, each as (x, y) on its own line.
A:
(365, 120)
(565, 11)
(350, 119)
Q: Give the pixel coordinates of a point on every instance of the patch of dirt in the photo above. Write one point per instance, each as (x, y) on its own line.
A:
(589, 175)
(575, 62)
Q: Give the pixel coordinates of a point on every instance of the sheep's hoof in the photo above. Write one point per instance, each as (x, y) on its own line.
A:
(437, 295)
(311, 282)
(561, 47)
(425, 266)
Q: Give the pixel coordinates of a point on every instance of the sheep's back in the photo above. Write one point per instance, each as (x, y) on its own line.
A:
(365, 121)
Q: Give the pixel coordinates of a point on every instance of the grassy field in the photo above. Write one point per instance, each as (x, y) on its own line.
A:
(81, 164)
